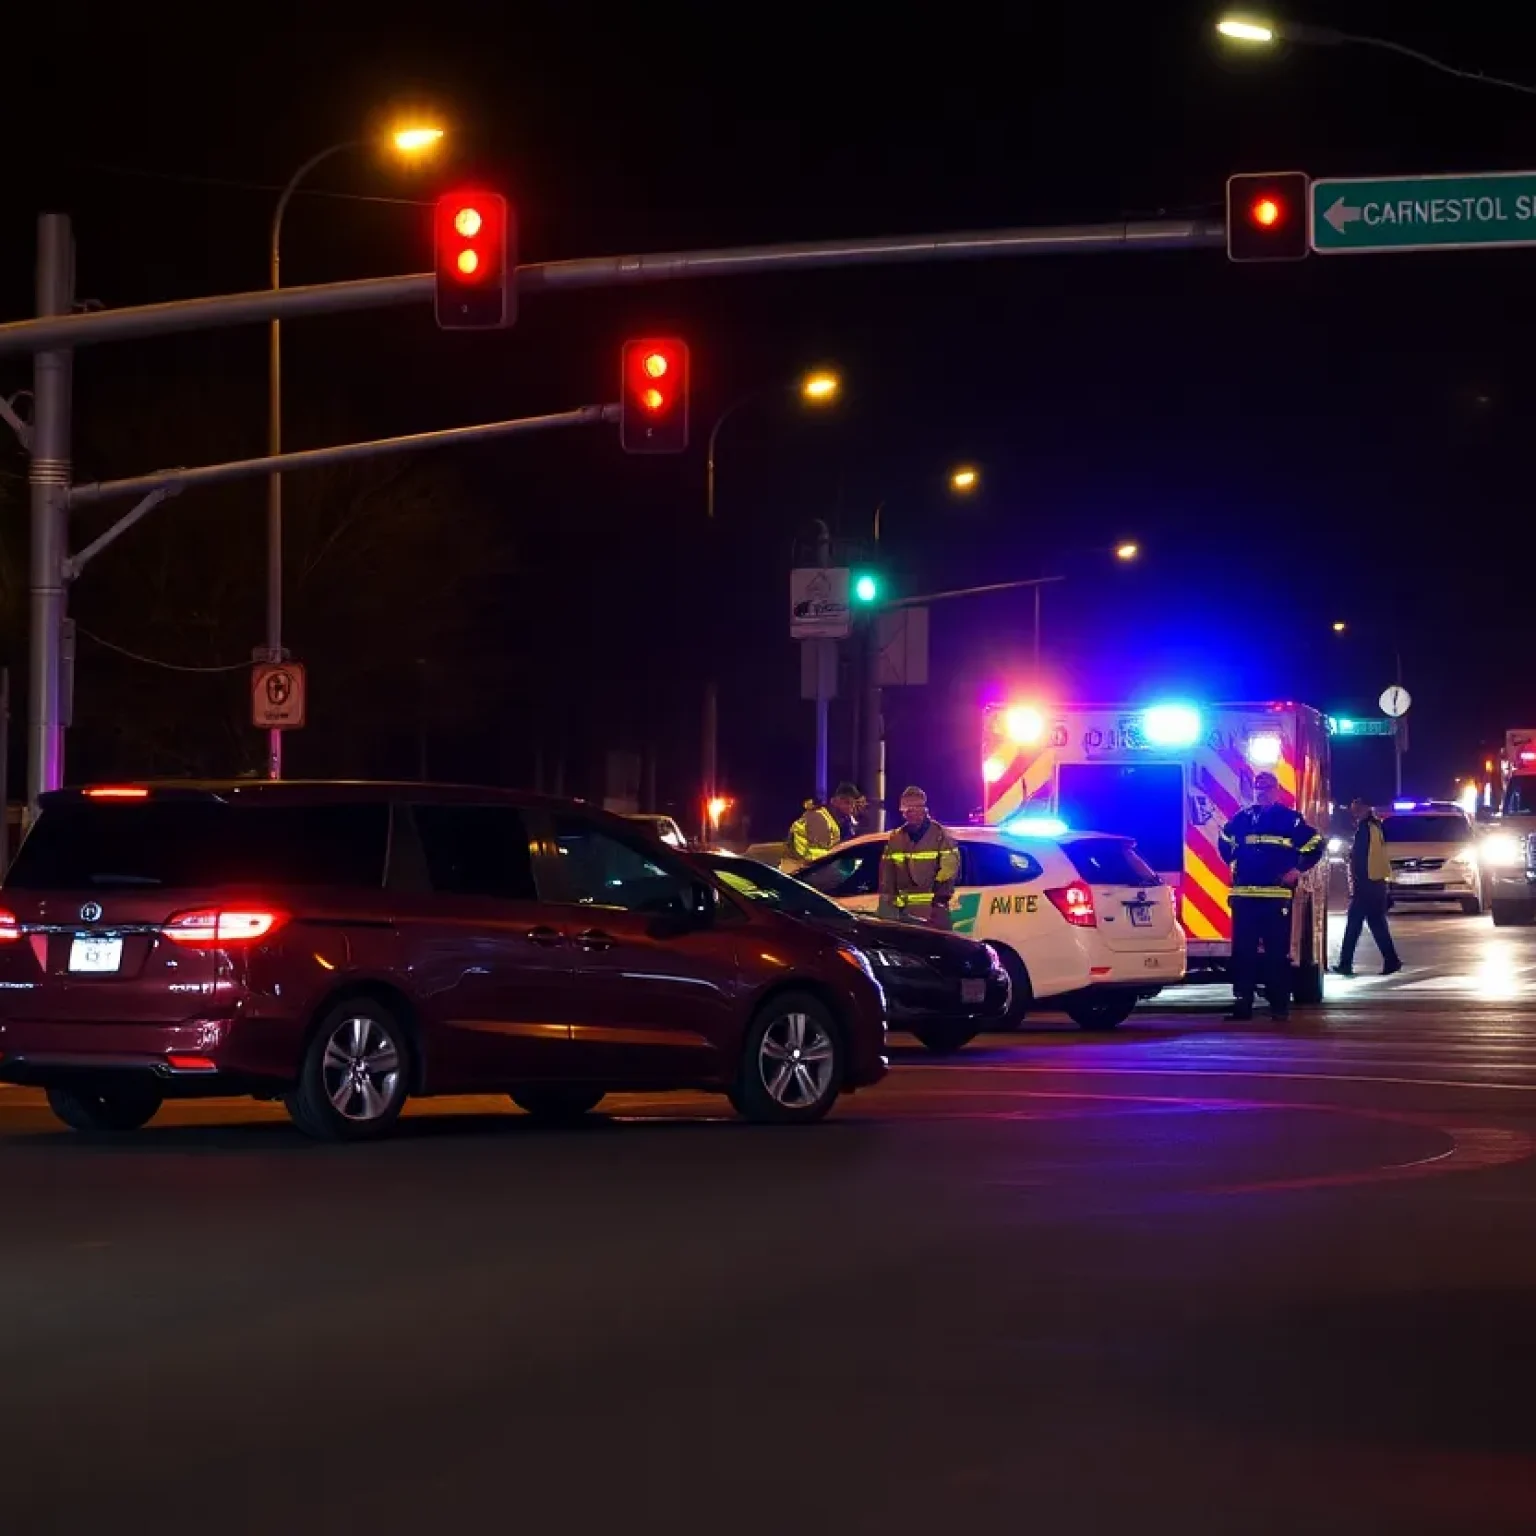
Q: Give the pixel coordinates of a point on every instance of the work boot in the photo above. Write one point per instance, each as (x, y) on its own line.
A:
(1393, 969)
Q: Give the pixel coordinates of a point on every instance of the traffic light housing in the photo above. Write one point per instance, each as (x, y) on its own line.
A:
(475, 259)
(653, 404)
(1267, 216)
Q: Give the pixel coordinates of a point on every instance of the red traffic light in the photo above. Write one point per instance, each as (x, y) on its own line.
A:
(1267, 216)
(654, 404)
(476, 261)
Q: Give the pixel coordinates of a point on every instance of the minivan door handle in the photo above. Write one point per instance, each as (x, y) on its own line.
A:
(548, 937)
(594, 939)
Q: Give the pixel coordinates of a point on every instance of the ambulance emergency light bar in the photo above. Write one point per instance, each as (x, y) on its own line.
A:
(1162, 725)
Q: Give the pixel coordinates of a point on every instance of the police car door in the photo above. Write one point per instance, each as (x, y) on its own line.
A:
(850, 875)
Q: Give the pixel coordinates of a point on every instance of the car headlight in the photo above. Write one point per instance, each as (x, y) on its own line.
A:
(1335, 845)
(1500, 850)
(895, 959)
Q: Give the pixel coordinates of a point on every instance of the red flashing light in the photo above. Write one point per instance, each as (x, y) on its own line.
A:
(10, 928)
(1266, 216)
(1075, 903)
(654, 396)
(117, 792)
(222, 928)
(476, 262)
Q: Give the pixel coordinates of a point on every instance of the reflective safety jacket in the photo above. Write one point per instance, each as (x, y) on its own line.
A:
(815, 833)
(1368, 861)
(1263, 844)
(918, 871)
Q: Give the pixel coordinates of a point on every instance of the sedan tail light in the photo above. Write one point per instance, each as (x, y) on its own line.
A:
(10, 928)
(222, 927)
(1075, 903)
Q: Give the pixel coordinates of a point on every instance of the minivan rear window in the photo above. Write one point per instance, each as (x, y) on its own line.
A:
(101, 847)
(1109, 861)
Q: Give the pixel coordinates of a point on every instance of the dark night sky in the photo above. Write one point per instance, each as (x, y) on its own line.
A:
(1289, 443)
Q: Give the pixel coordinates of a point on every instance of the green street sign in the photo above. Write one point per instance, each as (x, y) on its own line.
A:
(1344, 725)
(1424, 213)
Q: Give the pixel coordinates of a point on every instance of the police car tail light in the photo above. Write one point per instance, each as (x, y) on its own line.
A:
(1075, 903)
(220, 928)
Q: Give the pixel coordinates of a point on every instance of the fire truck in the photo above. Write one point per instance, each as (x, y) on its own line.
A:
(1171, 775)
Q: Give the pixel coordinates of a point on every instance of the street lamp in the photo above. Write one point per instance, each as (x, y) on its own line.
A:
(964, 479)
(409, 139)
(820, 388)
(1265, 32)
(1127, 551)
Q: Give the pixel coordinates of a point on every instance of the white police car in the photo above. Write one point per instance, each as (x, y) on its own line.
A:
(1081, 921)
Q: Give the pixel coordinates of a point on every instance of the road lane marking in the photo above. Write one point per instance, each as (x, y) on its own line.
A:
(1298, 1077)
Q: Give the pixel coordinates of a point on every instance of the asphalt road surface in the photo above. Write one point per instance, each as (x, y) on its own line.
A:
(1188, 1277)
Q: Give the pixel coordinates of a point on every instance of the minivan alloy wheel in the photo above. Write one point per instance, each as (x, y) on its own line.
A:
(797, 1060)
(360, 1069)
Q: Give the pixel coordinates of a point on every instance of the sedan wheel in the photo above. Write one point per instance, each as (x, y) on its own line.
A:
(354, 1080)
(792, 1067)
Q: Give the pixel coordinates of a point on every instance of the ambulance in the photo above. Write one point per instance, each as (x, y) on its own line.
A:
(1170, 775)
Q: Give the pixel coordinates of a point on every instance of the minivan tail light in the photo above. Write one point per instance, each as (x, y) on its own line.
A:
(10, 928)
(1075, 903)
(221, 927)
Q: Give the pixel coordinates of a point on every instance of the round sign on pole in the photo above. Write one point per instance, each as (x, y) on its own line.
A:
(1395, 701)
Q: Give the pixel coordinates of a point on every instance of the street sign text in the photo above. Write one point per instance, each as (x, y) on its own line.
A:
(1424, 213)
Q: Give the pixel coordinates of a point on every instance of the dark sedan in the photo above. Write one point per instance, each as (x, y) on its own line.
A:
(941, 987)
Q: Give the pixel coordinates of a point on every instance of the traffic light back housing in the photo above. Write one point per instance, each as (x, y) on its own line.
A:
(1267, 216)
(653, 404)
(475, 261)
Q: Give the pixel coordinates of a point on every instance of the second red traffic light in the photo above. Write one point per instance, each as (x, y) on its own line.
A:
(654, 403)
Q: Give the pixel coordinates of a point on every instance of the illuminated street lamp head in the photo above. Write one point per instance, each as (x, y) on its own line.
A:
(820, 387)
(412, 141)
(1339, 626)
(1243, 29)
(1127, 551)
(964, 479)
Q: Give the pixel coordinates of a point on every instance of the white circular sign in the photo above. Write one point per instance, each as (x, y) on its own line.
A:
(1395, 701)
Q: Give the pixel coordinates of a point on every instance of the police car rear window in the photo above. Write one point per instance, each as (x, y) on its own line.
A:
(1108, 861)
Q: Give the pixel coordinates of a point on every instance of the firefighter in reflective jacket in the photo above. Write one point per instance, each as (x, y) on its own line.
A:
(1269, 847)
(820, 828)
(920, 866)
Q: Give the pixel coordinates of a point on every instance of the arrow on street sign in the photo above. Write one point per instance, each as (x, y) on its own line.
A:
(1423, 213)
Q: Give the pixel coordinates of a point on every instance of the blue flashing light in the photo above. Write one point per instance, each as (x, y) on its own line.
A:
(1405, 805)
(1035, 826)
(1171, 725)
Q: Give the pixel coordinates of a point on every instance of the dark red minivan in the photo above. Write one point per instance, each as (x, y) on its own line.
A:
(345, 946)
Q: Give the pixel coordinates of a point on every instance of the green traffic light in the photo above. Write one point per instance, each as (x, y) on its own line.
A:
(866, 589)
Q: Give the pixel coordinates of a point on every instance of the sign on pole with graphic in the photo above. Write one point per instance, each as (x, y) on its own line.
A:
(818, 603)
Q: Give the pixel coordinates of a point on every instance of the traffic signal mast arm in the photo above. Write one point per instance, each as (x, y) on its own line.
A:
(83, 330)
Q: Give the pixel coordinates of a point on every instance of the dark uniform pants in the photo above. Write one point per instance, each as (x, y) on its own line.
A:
(1367, 907)
(1266, 921)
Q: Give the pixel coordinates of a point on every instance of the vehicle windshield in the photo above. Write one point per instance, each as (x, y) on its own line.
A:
(772, 887)
(1426, 829)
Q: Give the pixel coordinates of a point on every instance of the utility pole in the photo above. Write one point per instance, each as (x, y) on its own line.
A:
(49, 483)
(823, 559)
(874, 727)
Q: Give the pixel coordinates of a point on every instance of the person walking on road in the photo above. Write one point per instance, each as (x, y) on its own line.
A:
(920, 866)
(1269, 846)
(1369, 873)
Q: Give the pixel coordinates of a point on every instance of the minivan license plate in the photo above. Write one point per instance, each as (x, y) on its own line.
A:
(95, 957)
(1141, 913)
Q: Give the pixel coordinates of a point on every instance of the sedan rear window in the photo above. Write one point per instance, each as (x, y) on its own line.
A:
(1426, 829)
(202, 844)
(1109, 861)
